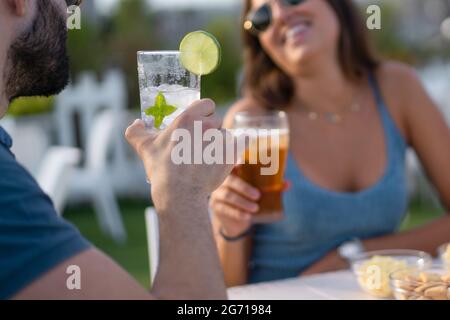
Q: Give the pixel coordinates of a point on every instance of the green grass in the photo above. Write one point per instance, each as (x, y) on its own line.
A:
(133, 257)
(420, 214)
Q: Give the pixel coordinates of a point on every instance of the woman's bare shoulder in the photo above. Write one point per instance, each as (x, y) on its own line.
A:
(399, 84)
(399, 80)
(397, 74)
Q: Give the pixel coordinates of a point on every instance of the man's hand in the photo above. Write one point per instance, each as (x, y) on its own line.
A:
(189, 266)
(183, 182)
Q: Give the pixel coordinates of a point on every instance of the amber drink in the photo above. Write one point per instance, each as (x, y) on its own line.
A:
(264, 160)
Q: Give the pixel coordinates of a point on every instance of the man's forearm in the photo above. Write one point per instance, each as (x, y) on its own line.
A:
(189, 266)
(426, 238)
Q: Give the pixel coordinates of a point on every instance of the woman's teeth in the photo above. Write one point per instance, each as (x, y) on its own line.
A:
(297, 29)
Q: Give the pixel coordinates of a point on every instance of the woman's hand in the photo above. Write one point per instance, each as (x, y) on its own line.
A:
(233, 204)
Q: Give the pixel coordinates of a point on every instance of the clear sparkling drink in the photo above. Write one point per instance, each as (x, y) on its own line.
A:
(166, 87)
(175, 95)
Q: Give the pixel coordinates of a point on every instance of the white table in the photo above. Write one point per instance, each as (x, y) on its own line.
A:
(341, 285)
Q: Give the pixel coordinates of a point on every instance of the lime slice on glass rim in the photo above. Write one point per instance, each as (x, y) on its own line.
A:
(200, 53)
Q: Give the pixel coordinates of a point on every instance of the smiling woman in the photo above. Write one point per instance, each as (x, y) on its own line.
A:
(268, 80)
(351, 118)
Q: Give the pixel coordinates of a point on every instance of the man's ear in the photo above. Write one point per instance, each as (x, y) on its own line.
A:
(18, 7)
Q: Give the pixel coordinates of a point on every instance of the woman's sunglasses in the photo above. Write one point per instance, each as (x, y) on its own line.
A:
(260, 19)
(73, 2)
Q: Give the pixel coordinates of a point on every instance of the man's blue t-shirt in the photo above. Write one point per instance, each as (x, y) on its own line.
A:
(33, 238)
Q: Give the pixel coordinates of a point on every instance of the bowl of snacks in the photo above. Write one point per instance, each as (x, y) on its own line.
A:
(421, 284)
(373, 268)
(444, 253)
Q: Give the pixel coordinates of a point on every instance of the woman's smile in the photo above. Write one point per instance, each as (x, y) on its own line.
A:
(297, 33)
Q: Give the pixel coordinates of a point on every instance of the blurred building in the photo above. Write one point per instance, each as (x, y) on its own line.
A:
(421, 20)
(418, 21)
(90, 11)
(172, 25)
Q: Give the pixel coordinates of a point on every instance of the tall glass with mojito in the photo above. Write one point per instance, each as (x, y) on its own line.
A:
(169, 81)
(166, 87)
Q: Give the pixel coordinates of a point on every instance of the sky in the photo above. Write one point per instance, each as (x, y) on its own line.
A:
(106, 5)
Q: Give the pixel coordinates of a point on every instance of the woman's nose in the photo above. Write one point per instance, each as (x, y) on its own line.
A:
(280, 12)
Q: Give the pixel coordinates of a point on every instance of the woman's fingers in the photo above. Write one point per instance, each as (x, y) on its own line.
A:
(243, 188)
(224, 210)
(234, 204)
(229, 196)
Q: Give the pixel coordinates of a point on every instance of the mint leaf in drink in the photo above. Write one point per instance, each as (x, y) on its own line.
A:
(160, 110)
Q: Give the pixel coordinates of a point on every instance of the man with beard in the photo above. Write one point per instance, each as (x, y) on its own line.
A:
(37, 247)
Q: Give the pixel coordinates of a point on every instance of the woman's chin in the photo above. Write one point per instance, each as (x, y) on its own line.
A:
(299, 55)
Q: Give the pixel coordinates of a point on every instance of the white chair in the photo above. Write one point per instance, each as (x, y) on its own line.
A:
(55, 173)
(151, 222)
(30, 142)
(100, 108)
(51, 166)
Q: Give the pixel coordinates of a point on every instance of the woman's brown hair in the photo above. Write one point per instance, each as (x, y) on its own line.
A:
(273, 88)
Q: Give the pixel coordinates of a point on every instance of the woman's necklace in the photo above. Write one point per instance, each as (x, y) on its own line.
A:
(333, 117)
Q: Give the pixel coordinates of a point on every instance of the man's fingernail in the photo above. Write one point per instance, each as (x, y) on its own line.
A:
(210, 101)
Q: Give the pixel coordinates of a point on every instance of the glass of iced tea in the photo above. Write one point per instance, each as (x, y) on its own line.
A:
(264, 160)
